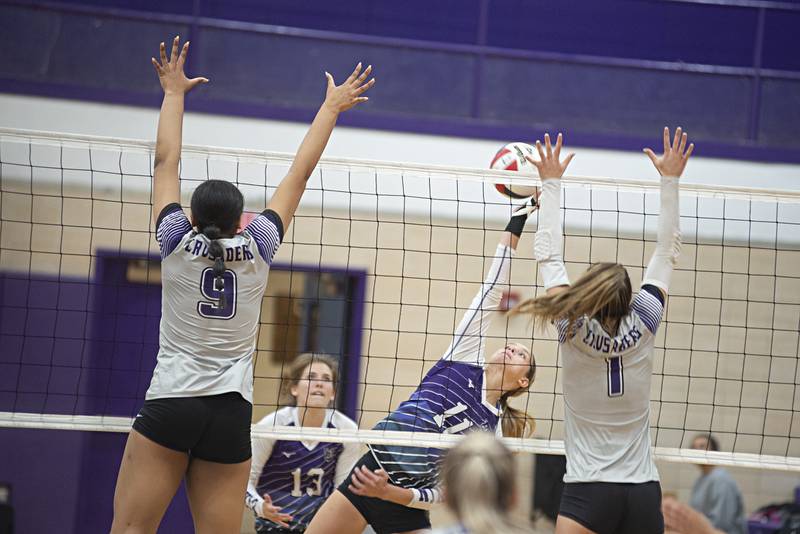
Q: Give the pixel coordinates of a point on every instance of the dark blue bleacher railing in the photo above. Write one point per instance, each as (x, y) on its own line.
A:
(608, 74)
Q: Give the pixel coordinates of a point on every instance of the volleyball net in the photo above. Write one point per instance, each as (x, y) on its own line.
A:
(377, 268)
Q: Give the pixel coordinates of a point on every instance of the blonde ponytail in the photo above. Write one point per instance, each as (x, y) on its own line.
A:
(480, 487)
(603, 292)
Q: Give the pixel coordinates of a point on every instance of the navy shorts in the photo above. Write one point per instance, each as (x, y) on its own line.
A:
(383, 516)
(215, 428)
(614, 508)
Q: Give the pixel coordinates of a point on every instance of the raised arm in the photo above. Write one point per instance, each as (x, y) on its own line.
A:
(337, 99)
(668, 247)
(550, 235)
(166, 185)
(469, 336)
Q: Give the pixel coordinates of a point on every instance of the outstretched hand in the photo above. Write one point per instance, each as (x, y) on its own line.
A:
(340, 98)
(170, 71)
(550, 164)
(675, 156)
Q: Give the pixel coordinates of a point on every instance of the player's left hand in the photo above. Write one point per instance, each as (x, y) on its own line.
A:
(170, 71)
(550, 164)
(368, 483)
(340, 98)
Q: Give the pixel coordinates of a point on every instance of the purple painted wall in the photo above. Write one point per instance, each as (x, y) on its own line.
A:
(77, 347)
(607, 74)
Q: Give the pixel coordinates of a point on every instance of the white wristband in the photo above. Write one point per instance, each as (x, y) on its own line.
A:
(424, 499)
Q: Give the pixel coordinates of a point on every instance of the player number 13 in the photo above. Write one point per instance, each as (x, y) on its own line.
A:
(315, 488)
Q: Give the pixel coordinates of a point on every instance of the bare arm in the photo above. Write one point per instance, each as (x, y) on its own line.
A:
(166, 184)
(549, 238)
(376, 484)
(337, 99)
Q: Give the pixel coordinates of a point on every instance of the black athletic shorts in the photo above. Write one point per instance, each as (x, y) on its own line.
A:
(383, 516)
(214, 428)
(614, 508)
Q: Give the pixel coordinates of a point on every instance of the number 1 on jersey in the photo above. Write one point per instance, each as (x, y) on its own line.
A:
(616, 383)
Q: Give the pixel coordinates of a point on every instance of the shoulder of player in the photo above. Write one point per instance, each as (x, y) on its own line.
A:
(280, 417)
(340, 420)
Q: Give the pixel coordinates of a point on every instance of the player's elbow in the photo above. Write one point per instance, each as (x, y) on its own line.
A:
(163, 161)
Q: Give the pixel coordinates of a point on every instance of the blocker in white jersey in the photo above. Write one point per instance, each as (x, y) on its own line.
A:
(206, 346)
(606, 386)
(606, 339)
(195, 422)
(391, 488)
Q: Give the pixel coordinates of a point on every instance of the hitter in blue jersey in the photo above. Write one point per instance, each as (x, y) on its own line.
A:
(392, 487)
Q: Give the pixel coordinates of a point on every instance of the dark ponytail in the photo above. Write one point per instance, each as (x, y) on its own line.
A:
(216, 253)
(216, 209)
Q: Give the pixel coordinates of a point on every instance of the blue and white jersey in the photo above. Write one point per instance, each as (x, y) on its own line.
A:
(451, 399)
(298, 476)
(606, 387)
(205, 348)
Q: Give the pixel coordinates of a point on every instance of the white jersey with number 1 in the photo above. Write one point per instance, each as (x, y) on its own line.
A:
(206, 348)
(606, 386)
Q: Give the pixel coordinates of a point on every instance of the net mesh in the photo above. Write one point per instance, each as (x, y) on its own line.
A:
(377, 268)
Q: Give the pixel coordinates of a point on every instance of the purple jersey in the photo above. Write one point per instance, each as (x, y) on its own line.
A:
(452, 397)
(298, 476)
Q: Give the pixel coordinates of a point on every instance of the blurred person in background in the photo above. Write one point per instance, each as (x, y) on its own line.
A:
(480, 487)
(715, 494)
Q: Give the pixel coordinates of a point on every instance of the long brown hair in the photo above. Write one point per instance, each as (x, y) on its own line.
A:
(517, 423)
(602, 292)
(479, 479)
(294, 372)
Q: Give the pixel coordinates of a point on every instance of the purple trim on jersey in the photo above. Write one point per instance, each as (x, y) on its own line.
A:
(563, 329)
(649, 308)
(653, 290)
(267, 231)
(171, 226)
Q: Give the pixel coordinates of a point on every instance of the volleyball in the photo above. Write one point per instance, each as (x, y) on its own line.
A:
(512, 158)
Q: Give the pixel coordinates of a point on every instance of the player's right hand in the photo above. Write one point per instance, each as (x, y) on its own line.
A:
(273, 513)
(675, 156)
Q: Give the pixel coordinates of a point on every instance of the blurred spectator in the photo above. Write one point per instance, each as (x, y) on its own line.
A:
(716, 494)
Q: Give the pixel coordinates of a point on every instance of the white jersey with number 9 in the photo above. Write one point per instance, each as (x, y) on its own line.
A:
(206, 344)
